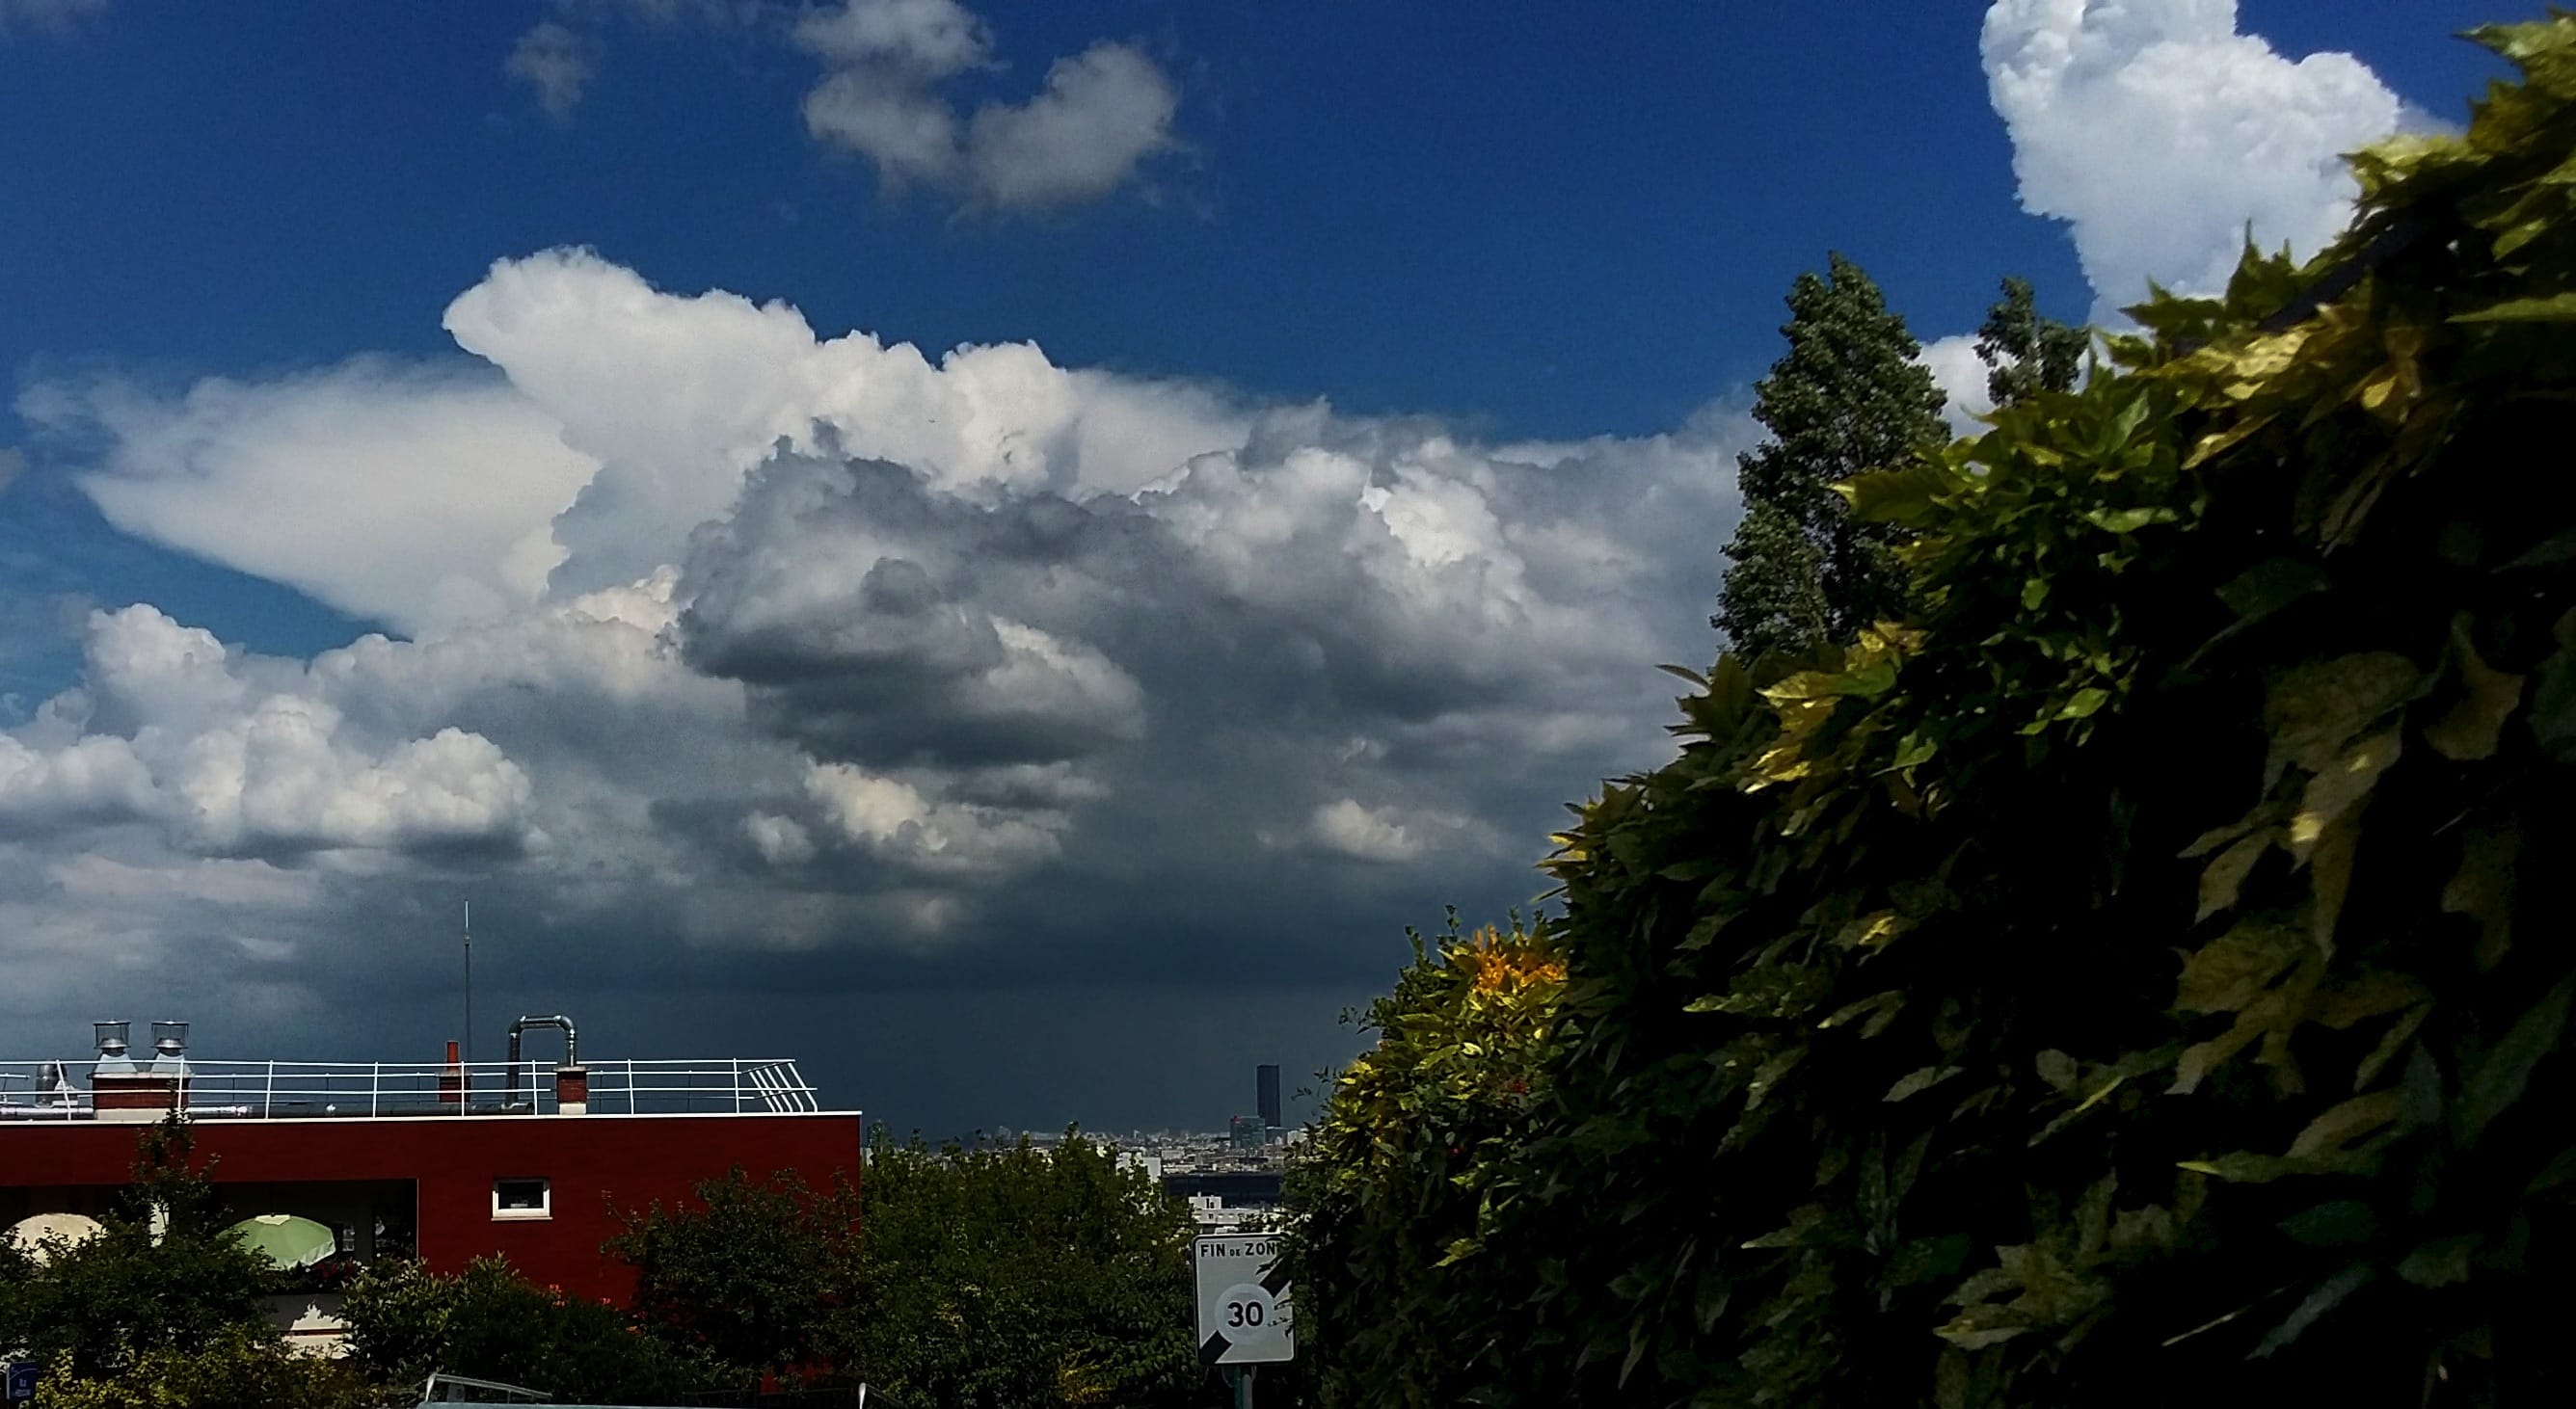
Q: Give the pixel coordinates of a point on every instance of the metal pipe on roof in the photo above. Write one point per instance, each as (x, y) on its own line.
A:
(572, 1046)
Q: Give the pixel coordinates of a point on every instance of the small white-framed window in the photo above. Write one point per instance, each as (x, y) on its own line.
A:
(522, 1198)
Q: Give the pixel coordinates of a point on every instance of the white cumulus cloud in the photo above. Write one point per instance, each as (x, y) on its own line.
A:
(1367, 833)
(2158, 132)
(406, 496)
(1962, 376)
(232, 757)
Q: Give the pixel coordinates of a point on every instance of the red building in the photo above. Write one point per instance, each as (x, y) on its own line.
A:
(436, 1160)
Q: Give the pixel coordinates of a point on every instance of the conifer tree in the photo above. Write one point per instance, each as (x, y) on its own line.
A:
(2025, 352)
(1848, 398)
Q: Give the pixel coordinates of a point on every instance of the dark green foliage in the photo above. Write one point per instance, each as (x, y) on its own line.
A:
(1019, 1277)
(757, 1275)
(1015, 1276)
(238, 1369)
(100, 1305)
(2136, 977)
(1405, 1170)
(405, 1323)
(1847, 398)
(2025, 352)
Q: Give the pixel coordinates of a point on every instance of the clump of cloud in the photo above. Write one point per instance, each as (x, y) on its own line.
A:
(555, 63)
(2159, 133)
(721, 633)
(236, 758)
(398, 494)
(1098, 117)
(1352, 828)
(1962, 376)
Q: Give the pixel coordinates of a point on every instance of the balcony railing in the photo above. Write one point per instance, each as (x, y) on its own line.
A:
(256, 1090)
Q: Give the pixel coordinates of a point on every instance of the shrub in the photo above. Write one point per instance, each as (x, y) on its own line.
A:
(1406, 1165)
(238, 1369)
(406, 1323)
(1019, 1276)
(756, 1274)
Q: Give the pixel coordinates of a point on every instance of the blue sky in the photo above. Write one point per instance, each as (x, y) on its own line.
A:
(1530, 261)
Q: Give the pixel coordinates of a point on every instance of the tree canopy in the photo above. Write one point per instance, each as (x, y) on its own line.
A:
(161, 1274)
(1020, 1276)
(2025, 351)
(1848, 397)
(759, 1273)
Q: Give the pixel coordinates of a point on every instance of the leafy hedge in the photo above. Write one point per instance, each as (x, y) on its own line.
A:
(1391, 1190)
(2143, 974)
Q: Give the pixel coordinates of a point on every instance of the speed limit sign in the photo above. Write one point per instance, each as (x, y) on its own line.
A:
(1243, 1300)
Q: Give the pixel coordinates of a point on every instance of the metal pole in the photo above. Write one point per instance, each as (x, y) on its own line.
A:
(1242, 1386)
(465, 1077)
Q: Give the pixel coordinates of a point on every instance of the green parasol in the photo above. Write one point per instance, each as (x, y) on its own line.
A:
(287, 1240)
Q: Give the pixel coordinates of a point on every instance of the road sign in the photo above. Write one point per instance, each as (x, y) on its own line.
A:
(1243, 1300)
(20, 1384)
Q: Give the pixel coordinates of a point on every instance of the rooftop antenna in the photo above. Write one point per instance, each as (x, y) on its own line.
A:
(469, 986)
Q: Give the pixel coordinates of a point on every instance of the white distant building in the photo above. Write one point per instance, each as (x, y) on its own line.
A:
(1213, 1215)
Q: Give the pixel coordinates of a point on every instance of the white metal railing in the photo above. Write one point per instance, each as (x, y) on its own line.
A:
(217, 1090)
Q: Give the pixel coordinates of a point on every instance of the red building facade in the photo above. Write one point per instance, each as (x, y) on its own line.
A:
(436, 1161)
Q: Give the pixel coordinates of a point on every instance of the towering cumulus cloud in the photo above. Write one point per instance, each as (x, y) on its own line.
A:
(717, 634)
(2159, 134)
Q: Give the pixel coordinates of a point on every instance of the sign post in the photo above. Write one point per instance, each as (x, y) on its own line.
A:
(1245, 1318)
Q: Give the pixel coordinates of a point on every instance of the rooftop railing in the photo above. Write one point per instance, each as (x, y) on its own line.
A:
(275, 1090)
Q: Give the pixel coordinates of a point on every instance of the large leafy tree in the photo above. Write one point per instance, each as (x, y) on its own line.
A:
(1021, 1276)
(1848, 397)
(2025, 351)
(163, 1308)
(161, 1275)
(488, 1322)
(756, 1273)
(979, 1277)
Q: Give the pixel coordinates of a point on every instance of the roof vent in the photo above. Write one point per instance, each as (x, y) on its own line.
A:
(111, 1038)
(168, 1038)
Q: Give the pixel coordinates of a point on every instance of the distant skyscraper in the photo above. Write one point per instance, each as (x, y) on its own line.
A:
(1270, 1109)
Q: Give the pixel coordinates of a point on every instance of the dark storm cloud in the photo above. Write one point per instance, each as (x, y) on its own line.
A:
(992, 680)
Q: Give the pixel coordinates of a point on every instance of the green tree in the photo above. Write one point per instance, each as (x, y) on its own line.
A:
(161, 1274)
(2026, 352)
(489, 1323)
(1848, 397)
(1020, 1277)
(757, 1274)
(239, 1369)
